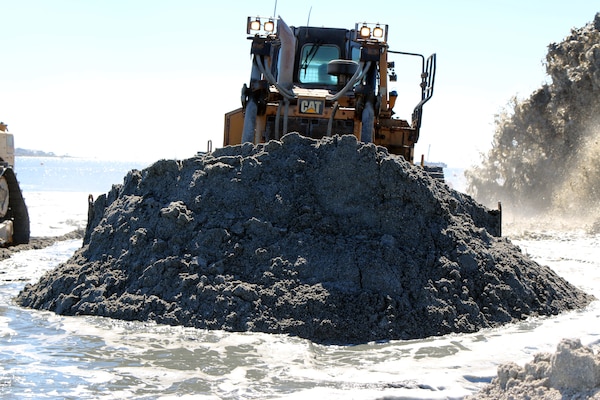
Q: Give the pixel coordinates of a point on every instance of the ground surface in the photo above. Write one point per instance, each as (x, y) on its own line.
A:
(39, 243)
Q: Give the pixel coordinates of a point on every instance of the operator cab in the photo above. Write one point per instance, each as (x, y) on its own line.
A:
(318, 48)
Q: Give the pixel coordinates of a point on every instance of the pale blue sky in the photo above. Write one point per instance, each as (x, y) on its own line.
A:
(143, 80)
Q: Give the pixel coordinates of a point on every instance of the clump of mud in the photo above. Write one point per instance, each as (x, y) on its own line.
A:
(545, 156)
(572, 372)
(332, 240)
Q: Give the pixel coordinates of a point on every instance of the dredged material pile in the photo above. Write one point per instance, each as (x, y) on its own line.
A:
(572, 372)
(331, 240)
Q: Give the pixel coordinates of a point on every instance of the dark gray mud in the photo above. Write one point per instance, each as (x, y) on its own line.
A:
(334, 240)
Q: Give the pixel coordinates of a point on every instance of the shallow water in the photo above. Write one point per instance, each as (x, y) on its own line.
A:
(46, 356)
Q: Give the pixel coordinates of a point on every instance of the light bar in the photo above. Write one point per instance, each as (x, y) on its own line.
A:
(371, 32)
(260, 26)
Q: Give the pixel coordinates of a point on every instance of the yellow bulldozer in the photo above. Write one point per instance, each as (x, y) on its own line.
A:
(14, 217)
(325, 81)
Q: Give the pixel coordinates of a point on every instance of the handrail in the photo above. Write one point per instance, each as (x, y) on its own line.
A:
(428, 68)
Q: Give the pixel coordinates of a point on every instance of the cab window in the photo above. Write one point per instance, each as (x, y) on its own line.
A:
(356, 54)
(313, 64)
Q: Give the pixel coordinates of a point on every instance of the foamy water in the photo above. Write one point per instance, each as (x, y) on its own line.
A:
(43, 355)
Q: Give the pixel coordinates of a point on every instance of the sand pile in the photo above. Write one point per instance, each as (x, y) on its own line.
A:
(334, 240)
(573, 372)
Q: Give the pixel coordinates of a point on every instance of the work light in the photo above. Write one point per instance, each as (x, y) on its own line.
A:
(371, 32)
(253, 24)
(365, 32)
(378, 32)
(269, 26)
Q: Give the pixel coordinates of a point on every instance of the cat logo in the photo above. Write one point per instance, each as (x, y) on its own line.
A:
(311, 106)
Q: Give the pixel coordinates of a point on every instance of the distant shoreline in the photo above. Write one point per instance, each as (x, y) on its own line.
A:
(35, 153)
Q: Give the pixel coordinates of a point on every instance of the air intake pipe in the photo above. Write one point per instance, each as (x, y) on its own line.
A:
(287, 55)
(251, 106)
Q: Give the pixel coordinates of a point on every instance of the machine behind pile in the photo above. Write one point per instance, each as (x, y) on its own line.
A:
(322, 82)
(326, 81)
(14, 218)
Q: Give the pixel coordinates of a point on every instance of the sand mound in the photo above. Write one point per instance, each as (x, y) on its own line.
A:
(573, 372)
(333, 240)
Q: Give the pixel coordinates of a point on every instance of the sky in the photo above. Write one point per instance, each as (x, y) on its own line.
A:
(143, 80)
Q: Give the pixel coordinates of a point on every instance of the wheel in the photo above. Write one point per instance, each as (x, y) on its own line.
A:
(4, 197)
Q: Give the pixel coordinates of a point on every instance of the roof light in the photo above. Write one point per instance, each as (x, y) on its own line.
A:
(260, 26)
(269, 26)
(371, 32)
(365, 32)
(253, 24)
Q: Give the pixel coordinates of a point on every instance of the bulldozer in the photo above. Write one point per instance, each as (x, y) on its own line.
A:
(14, 217)
(321, 81)
(326, 81)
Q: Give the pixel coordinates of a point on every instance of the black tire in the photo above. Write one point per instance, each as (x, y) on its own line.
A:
(17, 209)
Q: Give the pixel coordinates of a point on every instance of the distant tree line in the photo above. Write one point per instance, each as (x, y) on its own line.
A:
(33, 153)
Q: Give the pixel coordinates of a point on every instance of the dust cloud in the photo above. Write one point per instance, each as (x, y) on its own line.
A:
(545, 155)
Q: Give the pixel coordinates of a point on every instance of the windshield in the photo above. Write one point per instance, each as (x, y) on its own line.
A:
(314, 60)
